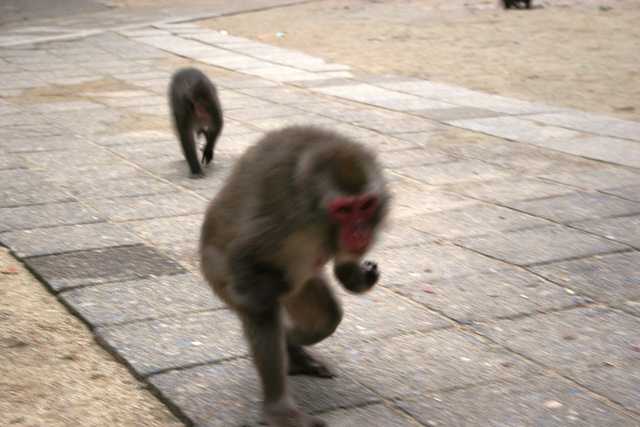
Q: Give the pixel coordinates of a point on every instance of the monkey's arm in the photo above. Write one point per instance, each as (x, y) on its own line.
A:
(255, 284)
(357, 278)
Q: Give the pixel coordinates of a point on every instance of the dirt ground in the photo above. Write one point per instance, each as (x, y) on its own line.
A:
(52, 372)
(582, 54)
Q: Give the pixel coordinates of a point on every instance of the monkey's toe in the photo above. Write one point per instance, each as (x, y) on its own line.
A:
(304, 362)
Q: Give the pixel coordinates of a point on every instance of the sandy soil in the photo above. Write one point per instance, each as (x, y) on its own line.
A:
(583, 54)
(52, 372)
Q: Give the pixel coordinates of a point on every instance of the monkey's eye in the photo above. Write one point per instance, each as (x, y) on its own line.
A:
(342, 209)
(368, 204)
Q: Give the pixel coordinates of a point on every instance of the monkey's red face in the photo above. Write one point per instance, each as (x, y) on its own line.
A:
(354, 218)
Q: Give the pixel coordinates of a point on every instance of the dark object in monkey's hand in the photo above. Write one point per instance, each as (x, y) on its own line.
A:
(371, 273)
(356, 278)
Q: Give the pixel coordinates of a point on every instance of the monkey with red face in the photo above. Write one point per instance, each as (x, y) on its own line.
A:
(301, 197)
(196, 111)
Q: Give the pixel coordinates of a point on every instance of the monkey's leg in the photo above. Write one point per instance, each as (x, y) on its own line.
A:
(188, 141)
(266, 337)
(311, 315)
(207, 153)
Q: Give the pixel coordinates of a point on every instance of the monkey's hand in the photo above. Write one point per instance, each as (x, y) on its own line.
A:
(356, 278)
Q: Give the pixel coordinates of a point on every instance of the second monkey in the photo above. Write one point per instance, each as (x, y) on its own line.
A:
(196, 111)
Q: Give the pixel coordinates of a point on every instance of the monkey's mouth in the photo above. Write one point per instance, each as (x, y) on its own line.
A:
(356, 253)
(355, 240)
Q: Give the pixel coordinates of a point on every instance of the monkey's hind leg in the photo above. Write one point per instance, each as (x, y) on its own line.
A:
(311, 315)
(189, 148)
(266, 338)
(207, 154)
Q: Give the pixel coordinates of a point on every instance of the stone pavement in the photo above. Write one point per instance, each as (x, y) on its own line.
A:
(510, 288)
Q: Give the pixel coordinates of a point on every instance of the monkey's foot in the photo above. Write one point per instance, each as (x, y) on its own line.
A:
(303, 362)
(197, 175)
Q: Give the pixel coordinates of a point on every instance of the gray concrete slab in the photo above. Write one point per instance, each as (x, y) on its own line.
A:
(175, 342)
(418, 364)
(83, 268)
(227, 393)
(571, 340)
(541, 245)
(575, 207)
(66, 238)
(493, 295)
(49, 215)
(623, 229)
(144, 299)
(538, 400)
(609, 279)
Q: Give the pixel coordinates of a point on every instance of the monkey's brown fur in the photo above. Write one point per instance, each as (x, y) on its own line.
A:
(266, 238)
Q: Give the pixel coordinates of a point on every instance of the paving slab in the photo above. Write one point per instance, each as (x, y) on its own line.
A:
(28, 188)
(133, 138)
(493, 295)
(140, 185)
(396, 235)
(10, 161)
(407, 191)
(144, 299)
(49, 215)
(629, 193)
(455, 173)
(577, 206)
(419, 364)
(153, 346)
(149, 206)
(368, 416)
(67, 238)
(623, 229)
(82, 268)
(518, 189)
(169, 230)
(592, 123)
(597, 178)
(538, 400)
(631, 307)
(608, 279)
(520, 130)
(474, 220)
(227, 393)
(541, 245)
(403, 267)
(380, 314)
(617, 382)
(106, 171)
(571, 340)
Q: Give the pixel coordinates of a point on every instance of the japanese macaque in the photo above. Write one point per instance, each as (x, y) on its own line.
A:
(301, 197)
(196, 111)
(516, 4)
